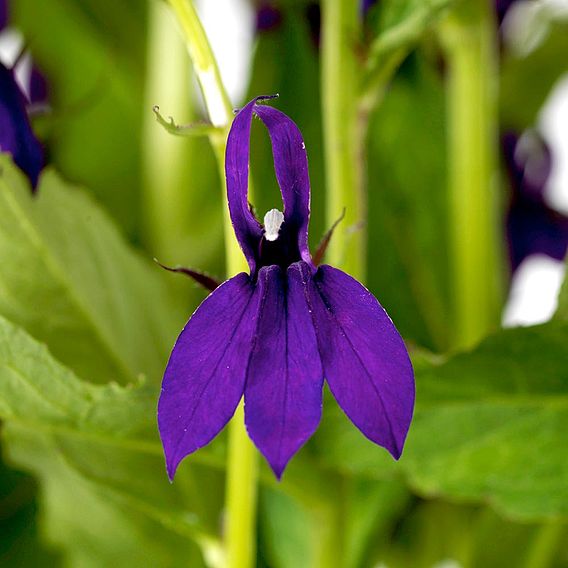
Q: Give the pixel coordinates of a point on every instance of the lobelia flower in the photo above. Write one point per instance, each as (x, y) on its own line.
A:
(272, 335)
(16, 134)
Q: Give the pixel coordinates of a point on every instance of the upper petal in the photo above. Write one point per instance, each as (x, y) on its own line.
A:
(16, 135)
(283, 393)
(205, 377)
(291, 166)
(247, 229)
(364, 358)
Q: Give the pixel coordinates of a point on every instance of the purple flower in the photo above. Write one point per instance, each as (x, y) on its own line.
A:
(3, 14)
(532, 226)
(268, 17)
(274, 334)
(16, 135)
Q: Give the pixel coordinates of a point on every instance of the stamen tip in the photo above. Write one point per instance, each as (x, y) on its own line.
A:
(272, 222)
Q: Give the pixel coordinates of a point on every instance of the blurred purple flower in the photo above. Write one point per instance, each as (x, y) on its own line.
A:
(366, 5)
(16, 134)
(268, 17)
(502, 7)
(3, 14)
(273, 334)
(38, 87)
(532, 226)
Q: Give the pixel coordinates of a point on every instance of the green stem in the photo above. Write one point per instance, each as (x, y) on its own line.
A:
(545, 545)
(344, 130)
(470, 48)
(165, 195)
(241, 485)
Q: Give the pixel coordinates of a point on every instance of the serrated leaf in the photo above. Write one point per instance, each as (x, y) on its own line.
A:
(95, 448)
(69, 279)
(490, 426)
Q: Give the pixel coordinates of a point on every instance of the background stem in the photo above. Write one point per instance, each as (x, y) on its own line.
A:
(470, 49)
(241, 486)
(343, 136)
(165, 197)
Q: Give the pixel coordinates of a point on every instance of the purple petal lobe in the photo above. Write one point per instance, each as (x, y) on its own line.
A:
(283, 393)
(247, 229)
(205, 377)
(364, 358)
(16, 135)
(291, 165)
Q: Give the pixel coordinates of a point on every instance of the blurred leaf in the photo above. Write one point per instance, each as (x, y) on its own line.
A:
(406, 177)
(288, 532)
(526, 80)
(490, 426)
(19, 539)
(94, 450)
(68, 279)
(372, 510)
(401, 23)
(93, 55)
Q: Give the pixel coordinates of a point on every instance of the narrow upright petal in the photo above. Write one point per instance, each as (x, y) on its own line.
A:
(205, 377)
(283, 393)
(291, 166)
(16, 135)
(247, 229)
(364, 358)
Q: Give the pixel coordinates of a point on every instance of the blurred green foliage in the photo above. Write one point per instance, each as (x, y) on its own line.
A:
(86, 324)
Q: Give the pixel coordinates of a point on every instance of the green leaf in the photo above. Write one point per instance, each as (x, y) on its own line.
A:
(69, 279)
(490, 426)
(94, 449)
(288, 534)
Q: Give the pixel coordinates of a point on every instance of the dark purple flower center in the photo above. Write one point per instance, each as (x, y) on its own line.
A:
(282, 252)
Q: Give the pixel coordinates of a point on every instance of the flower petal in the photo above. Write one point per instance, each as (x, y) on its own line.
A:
(283, 393)
(16, 135)
(291, 165)
(205, 377)
(247, 229)
(364, 358)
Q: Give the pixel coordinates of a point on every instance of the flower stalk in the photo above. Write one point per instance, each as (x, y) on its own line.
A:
(470, 47)
(241, 491)
(344, 136)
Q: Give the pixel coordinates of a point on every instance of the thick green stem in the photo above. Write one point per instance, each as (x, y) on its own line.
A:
(343, 136)
(241, 486)
(470, 46)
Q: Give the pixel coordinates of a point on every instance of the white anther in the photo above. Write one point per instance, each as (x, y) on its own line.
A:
(272, 222)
